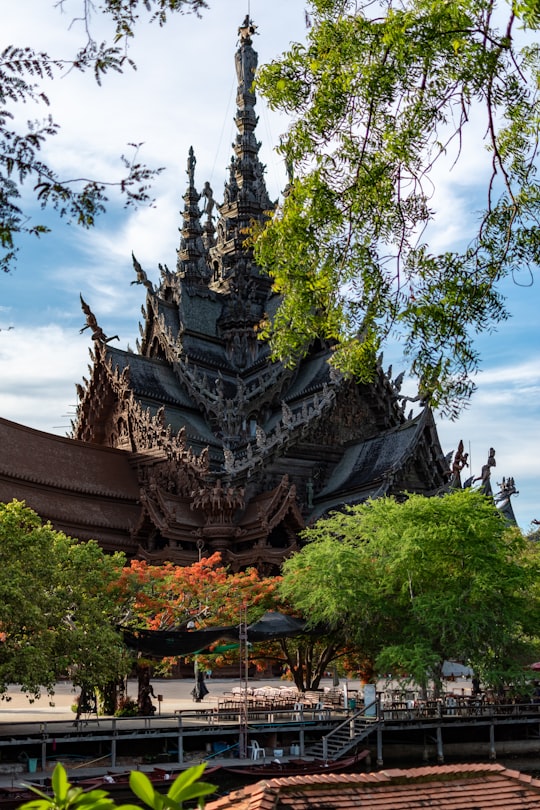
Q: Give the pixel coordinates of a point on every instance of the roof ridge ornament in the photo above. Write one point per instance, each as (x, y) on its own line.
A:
(91, 323)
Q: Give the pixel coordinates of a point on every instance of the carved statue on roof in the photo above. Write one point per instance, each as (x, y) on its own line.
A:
(485, 475)
(245, 58)
(209, 201)
(460, 460)
(507, 487)
(247, 29)
(91, 323)
(142, 278)
(192, 160)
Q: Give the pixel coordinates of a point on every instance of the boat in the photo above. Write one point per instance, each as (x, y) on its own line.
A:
(118, 782)
(13, 796)
(297, 767)
(115, 783)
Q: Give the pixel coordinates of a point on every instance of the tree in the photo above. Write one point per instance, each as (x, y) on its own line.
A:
(202, 595)
(56, 611)
(385, 99)
(22, 73)
(422, 581)
(308, 657)
(207, 595)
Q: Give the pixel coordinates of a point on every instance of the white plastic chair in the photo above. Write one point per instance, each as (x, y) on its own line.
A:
(256, 751)
(319, 712)
(298, 712)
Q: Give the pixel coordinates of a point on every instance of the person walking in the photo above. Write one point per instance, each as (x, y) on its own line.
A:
(200, 689)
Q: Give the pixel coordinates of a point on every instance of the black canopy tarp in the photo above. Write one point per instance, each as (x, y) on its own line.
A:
(275, 625)
(162, 643)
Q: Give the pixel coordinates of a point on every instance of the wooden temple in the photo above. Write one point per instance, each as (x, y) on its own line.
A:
(199, 442)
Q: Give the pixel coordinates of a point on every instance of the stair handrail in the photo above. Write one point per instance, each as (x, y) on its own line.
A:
(350, 721)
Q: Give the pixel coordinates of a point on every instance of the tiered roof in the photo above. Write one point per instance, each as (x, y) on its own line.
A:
(258, 439)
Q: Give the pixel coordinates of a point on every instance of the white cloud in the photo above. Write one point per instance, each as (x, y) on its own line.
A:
(504, 414)
(39, 369)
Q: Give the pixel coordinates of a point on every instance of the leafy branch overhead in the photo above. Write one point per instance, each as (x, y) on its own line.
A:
(385, 102)
(23, 72)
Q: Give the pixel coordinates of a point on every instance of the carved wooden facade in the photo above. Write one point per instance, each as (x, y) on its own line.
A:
(234, 452)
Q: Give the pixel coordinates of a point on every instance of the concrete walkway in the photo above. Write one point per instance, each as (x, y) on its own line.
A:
(16, 707)
(176, 696)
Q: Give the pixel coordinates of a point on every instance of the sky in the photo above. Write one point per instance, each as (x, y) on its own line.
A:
(183, 94)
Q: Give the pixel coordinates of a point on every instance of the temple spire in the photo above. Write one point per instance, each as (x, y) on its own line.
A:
(191, 265)
(245, 198)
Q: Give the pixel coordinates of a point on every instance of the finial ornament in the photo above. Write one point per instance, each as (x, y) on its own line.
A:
(142, 278)
(246, 30)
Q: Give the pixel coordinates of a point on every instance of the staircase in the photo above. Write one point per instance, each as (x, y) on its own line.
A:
(346, 736)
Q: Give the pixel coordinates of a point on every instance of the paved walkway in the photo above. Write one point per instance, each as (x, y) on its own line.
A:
(176, 695)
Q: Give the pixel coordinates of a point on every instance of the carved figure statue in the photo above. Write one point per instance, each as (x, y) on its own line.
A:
(507, 488)
(247, 29)
(91, 323)
(287, 415)
(209, 201)
(485, 475)
(245, 58)
(460, 459)
(309, 493)
(228, 458)
(192, 160)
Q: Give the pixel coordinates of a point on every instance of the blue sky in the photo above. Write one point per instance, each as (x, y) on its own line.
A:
(181, 95)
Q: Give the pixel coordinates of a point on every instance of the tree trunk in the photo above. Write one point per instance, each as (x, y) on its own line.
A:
(306, 666)
(146, 692)
(112, 695)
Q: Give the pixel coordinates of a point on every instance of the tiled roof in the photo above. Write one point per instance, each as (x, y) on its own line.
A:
(476, 786)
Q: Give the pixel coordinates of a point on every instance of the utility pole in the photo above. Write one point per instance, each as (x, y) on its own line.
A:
(244, 665)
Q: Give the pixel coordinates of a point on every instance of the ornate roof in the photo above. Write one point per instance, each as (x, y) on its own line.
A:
(235, 452)
(199, 442)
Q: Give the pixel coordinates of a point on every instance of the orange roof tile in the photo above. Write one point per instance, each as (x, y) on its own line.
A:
(487, 786)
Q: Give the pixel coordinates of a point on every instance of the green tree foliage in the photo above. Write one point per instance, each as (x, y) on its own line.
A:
(56, 609)
(381, 95)
(422, 581)
(22, 74)
(185, 788)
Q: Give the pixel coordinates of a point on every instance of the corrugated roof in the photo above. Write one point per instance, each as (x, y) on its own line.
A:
(85, 490)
